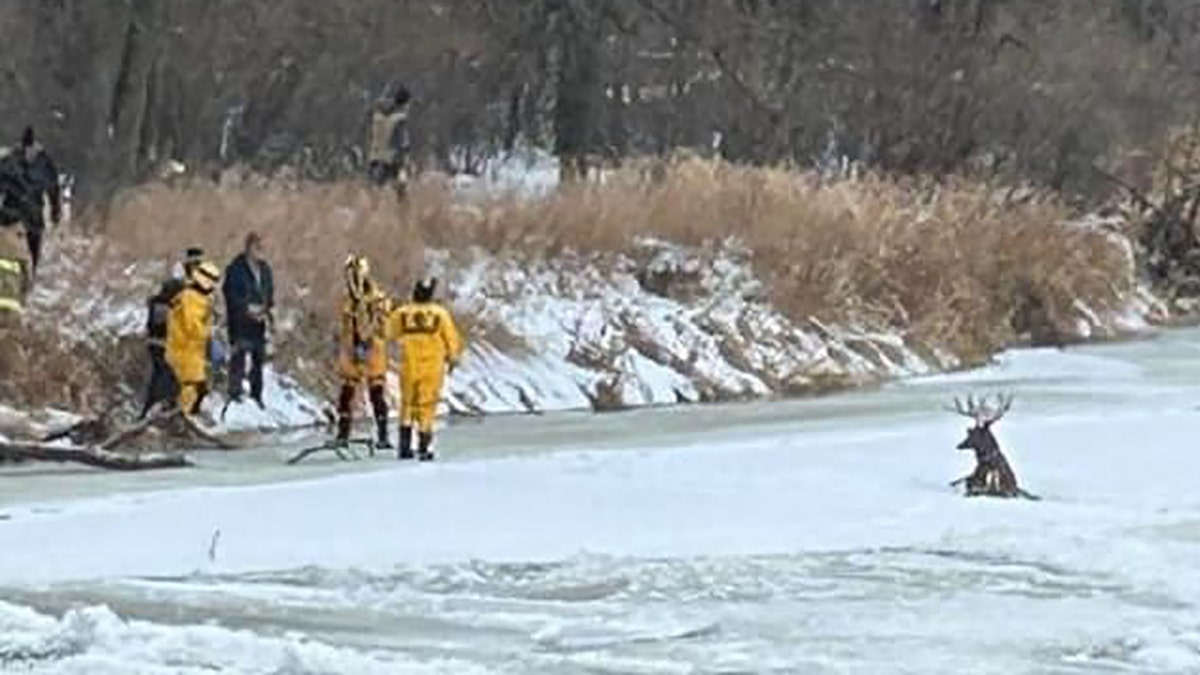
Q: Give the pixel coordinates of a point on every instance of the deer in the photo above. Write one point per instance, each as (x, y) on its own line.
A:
(993, 476)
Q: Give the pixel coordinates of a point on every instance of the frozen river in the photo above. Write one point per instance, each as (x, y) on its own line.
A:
(793, 537)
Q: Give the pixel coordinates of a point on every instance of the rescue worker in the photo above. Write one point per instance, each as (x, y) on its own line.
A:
(388, 141)
(15, 272)
(430, 348)
(249, 291)
(362, 350)
(161, 387)
(27, 176)
(189, 336)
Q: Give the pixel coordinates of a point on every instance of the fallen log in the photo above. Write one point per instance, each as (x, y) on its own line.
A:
(157, 416)
(93, 456)
(105, 454)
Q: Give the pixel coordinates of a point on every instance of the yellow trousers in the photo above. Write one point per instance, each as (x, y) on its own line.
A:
(420, 393)
(14, 269)
(191, 394)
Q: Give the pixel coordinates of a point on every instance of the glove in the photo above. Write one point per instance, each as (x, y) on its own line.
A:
(361, 350)
(218, 353)
(451, 366)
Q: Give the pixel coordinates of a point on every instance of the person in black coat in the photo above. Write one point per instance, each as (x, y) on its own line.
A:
(249, 290)
(28, 177)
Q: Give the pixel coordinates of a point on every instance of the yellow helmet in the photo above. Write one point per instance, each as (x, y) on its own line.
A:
(205, 276)
(358, 273)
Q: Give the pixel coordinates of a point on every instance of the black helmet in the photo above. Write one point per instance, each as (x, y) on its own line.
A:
(423, 290)
(191, 258)
(396, 94)
(403, 95)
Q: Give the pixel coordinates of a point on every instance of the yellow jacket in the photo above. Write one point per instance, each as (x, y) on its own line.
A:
(427, 335)
(189, 328)
(364, 321)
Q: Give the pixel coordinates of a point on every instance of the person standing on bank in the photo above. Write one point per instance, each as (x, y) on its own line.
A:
(162, 388)
(388, 142)
(249, 291)
(28, 180)
(190, 347)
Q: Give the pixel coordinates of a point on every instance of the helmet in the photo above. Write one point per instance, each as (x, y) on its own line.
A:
(205, 276)
(423, 290)
(358, 272)
(395, 95)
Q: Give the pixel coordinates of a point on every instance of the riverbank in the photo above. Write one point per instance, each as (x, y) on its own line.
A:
(699, 282)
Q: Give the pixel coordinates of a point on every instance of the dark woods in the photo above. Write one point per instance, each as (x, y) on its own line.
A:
(1017, 89)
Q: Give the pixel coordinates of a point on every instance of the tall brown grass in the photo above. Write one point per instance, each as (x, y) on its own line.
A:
(952, 263)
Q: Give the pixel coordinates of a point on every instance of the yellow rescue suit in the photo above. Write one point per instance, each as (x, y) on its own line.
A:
(15, 265)
(429, 343)
(362, 356)
(189, 329)
(362, 349)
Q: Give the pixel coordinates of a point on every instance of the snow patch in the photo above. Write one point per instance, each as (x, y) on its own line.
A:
(95, 641)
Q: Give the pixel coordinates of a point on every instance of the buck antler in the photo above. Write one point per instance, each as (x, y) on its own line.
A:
(982, 412)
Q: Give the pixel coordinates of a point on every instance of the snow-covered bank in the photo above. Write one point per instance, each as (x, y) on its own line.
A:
(660, 325)
(666, 326)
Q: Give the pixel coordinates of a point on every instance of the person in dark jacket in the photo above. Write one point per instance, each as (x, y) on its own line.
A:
(249, 291)
(162, 387)
(28, 177)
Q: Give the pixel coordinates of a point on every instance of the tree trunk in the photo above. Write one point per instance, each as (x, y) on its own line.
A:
(577, 91)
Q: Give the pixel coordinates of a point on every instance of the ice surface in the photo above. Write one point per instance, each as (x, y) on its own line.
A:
(829, 544)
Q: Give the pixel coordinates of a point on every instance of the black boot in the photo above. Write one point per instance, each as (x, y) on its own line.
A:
(379, 407)
(425, 451)
(381, 427)
(405, 451)
(343, 432)
(345, 405)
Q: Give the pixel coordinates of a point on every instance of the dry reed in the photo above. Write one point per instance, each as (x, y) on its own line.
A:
(949, 262)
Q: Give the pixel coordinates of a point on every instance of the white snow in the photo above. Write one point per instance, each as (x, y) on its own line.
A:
(287, 406)
(525, 172)
(92, 640)
(808, 531)
(591, 317)
(771, 494)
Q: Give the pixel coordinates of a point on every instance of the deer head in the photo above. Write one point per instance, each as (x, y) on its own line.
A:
(984, 414)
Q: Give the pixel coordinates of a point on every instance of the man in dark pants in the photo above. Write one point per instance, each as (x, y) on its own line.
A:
(28, 177)
(249, 291)
(162, 387)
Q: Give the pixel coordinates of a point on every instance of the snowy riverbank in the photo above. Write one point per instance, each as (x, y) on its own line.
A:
(662, 325)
